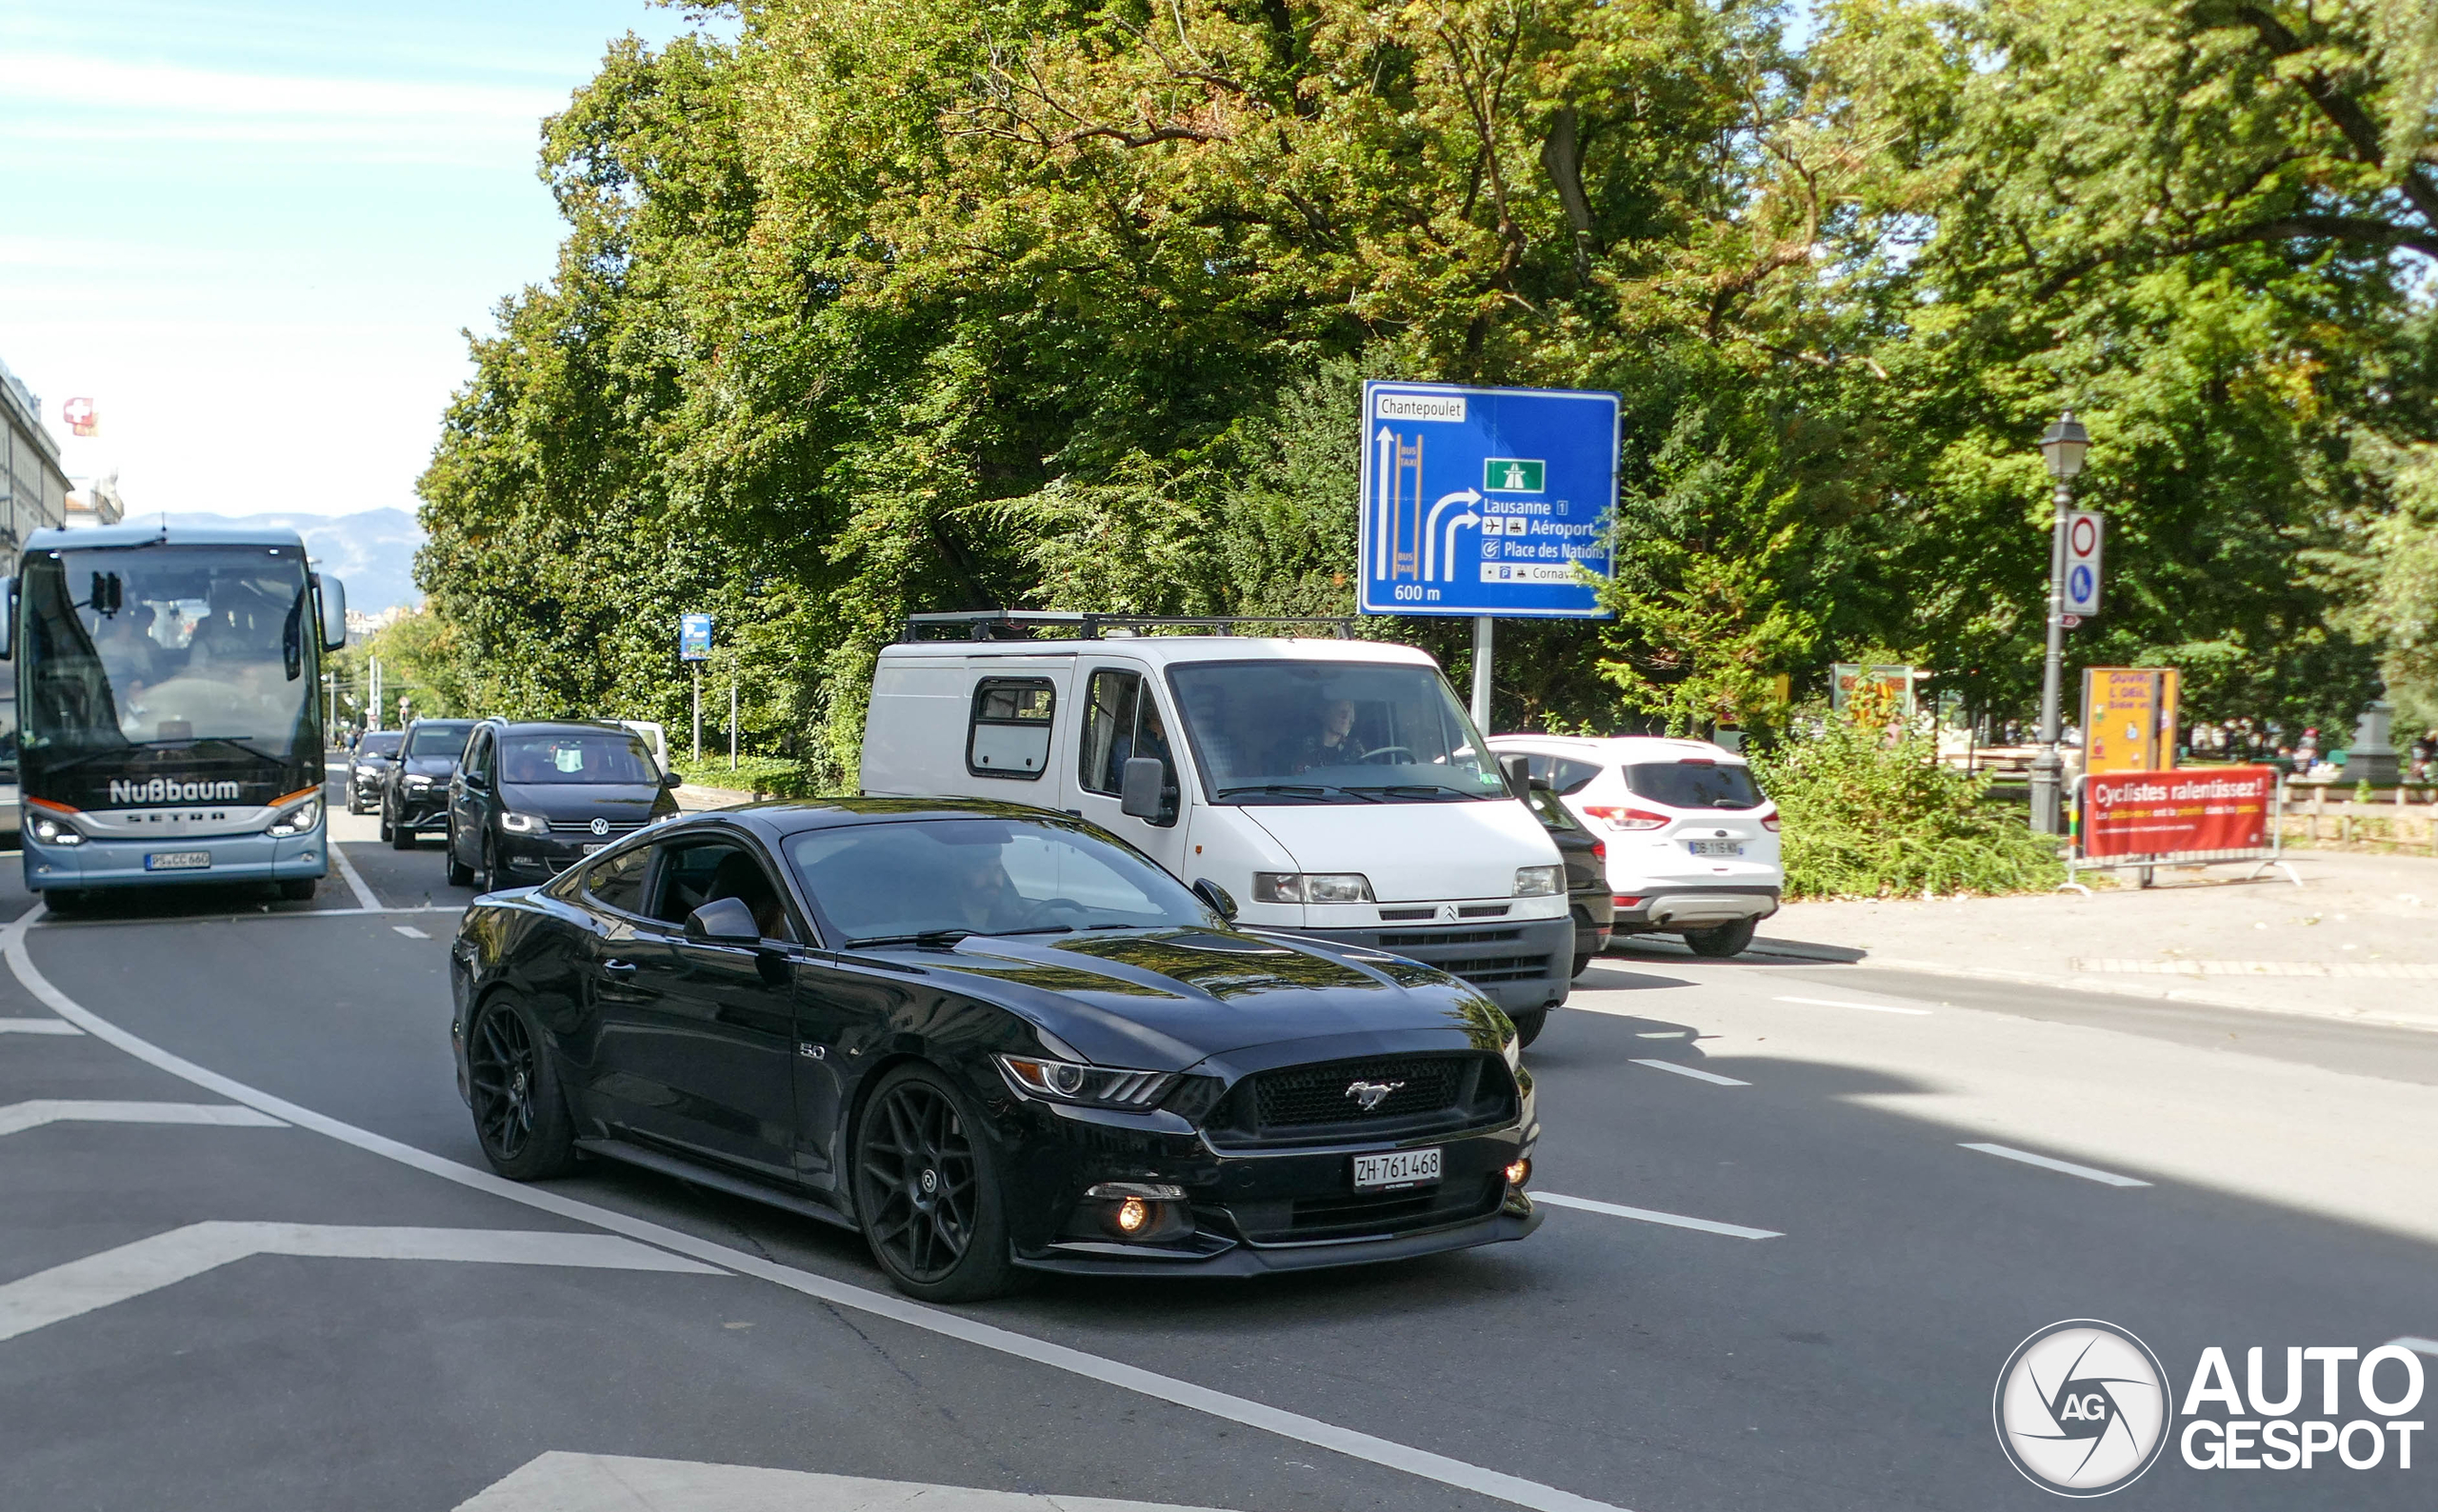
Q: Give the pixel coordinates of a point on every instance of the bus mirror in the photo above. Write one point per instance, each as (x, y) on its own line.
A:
(7, 618)
(334, 594)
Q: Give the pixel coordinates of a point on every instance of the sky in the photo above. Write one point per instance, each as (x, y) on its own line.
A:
(253, 234)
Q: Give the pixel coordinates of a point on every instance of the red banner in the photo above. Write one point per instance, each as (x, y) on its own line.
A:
(2204, 809)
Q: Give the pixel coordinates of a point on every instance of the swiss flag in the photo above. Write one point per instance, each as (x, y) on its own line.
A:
(80, 418)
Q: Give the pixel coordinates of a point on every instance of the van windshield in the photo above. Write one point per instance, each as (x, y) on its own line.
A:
(1330, 732)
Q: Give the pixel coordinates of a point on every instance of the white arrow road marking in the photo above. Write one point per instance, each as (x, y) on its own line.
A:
(1645, 1215)
(1351, 1442)
(1696, 1073)
(114, 1274)
(38, 1026)
(2088, 1173)
(18, 1117)
(560, 1481)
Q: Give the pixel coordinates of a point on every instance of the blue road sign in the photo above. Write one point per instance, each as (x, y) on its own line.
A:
(1486, 501)
(694, 638)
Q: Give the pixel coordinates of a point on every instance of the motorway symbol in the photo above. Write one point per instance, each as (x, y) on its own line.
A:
(561, 1482)
(1530, 472)
(131, 1271)
(18, 1117)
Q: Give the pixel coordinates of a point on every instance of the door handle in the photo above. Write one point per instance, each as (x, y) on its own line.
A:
(619, 968)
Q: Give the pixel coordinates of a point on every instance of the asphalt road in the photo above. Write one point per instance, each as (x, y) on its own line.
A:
(320, 1354)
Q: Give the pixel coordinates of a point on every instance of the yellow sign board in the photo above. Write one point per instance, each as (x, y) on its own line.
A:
(2128, 719)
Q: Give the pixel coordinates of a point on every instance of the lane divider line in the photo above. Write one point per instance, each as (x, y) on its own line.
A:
(364, 897)
(410, 931)
(1354, 1444)
(2088, 1173)
(118, 1275)
(1695, 1072)
(38, 1026)
(1867, 1008)
(18, 1117)
(247, 918)
(1645, 1215)
(2419, 1347)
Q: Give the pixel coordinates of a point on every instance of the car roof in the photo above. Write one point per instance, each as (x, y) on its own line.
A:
(440, 720)
(779, 818)
(1165, 650)
(1620, 748)
(545, 726)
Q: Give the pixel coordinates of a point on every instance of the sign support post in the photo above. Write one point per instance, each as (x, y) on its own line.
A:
(694, 644)
(731, 722)
(1482, 633)
(698, 715)
(2048, 767)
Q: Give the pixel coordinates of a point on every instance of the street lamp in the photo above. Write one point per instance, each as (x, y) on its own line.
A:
(2064, 445)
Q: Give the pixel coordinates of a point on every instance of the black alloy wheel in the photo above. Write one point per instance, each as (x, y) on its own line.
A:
(385, 823)
(926, 1194)
(1721, 941)
(460, 875)
(401, 834)
(1528, 1024)
(520, 1117)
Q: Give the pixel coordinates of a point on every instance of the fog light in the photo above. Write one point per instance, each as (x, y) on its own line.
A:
(1519, 1171)
(1143, 1212)
(1132, 1214)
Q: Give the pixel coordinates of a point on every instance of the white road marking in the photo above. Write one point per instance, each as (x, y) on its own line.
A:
(561, 1482)
(1867, 1008)
(38, 1026)
(410, 931)
(1695, 1074)
(364, 897)
(1663, 1034)
(18, 1117)
(131, 1271)
(1645, 1215)
(2088, 1173)
(2419, 1347)
(1422, 1464)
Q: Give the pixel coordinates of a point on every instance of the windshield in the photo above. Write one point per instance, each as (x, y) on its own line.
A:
(439, 740)
(1695, 785)
(169, 645)
(1289, 732)
(378, 746)
(602, 757)
(947, 877)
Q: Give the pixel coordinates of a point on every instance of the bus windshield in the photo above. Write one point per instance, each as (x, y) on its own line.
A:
(169, 645)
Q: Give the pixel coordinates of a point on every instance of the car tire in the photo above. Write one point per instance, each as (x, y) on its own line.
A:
(67, 903)
(385, 823)
(917, 1147)
(487, 871)
(401, 835)
(1721, 941)
(521, 1116)
(1528, 1024)
(299, 890)
(460, 875)
(1582, 963)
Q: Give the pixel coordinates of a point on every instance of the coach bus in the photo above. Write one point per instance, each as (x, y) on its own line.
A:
(167, 725)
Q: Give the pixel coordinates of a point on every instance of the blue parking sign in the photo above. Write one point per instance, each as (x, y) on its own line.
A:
(1486, 501)
(694, 638)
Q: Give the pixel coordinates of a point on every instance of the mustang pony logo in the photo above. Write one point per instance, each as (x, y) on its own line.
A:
(1369, 1095)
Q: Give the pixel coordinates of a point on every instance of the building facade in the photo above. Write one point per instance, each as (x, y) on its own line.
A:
(33, 490)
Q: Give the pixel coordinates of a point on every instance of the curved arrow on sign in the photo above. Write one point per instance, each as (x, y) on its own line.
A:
(1431, 533)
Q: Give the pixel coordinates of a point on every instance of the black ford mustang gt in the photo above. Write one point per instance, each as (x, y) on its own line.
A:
(990, 1037)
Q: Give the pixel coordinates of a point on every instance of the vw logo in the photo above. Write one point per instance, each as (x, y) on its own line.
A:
(1369, 1095)
(601, 827)
(2082, 1408)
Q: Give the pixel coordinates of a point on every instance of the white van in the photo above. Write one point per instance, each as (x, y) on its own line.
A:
(1332, 787)
(653, 736)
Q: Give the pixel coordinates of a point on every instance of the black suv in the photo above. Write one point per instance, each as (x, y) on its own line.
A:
(535, 795)
(416, 796)
(368, 767)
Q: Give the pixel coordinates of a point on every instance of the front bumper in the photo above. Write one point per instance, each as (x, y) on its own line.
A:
(423, 811)
(120, 862)
(1520, 965)
(537, 858)
(1671, 907)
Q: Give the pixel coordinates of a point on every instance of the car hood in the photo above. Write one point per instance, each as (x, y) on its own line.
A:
(1414, 852)
(439, 769)
(1169, 998)
(615, 801)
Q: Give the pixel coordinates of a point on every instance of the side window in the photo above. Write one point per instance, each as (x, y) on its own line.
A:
(1108, 729)
(617, 882)
(1009, 736)
(693, 875)
(478, 760)
(1570, 777)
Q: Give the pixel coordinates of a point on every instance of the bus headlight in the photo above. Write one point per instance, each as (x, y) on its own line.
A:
(297, 820)
(56, 832)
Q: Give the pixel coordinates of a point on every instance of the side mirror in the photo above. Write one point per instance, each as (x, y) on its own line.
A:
(7, 618)
(1139, 790)
(723, 920)
(333, 598)
(1213, 894)
(668, 779)
(475, 781)
(1542, 784)
(1518, 771)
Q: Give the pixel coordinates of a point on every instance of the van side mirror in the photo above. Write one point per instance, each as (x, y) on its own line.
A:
(7, 618)
(1518, 771)
(1139, 789)
(670, 779)
(333, 600)
(1213, 894)
(723, 920)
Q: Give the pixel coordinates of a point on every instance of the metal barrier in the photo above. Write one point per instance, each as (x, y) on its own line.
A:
(2270, 853)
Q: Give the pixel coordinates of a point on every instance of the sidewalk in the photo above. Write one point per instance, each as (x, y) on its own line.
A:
(2358, 940)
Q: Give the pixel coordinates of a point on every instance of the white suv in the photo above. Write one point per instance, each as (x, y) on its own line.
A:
(1693, 840)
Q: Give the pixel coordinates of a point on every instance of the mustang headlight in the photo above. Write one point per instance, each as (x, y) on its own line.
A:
(1311, 887)
(1083, 1085)
(522, 825)
(297, 820)
(1539, 882)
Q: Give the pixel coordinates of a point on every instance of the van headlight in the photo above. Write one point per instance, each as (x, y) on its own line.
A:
(1311, 887)
(53, 832)
(1539, 882)
(297, 820)
(522, 824)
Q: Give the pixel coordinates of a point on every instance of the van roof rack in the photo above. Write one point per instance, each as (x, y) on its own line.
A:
(1026, 624)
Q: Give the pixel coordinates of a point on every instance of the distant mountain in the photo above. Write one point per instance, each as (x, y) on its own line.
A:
(373, 553)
